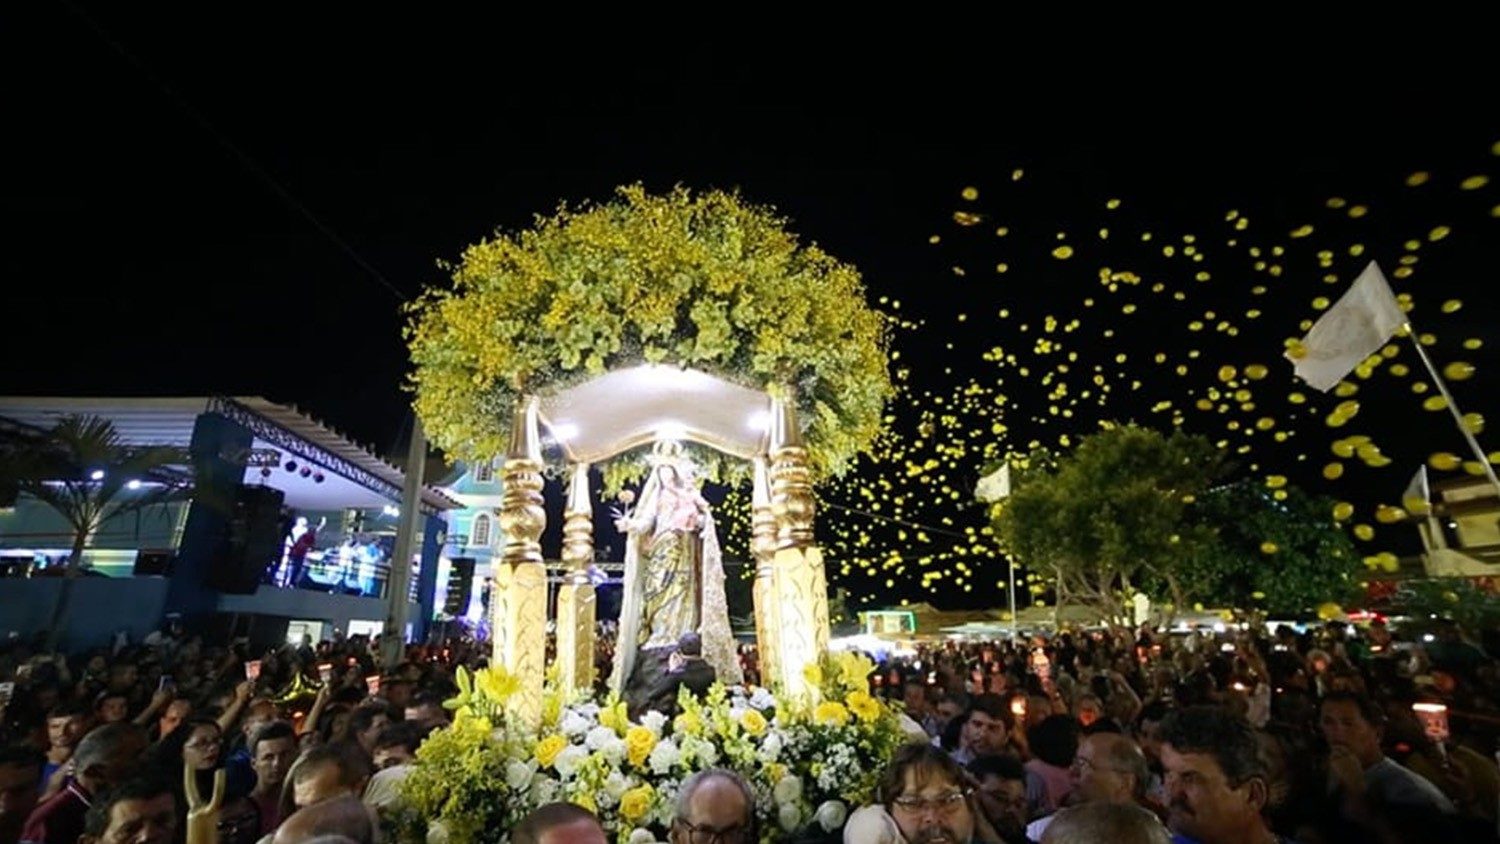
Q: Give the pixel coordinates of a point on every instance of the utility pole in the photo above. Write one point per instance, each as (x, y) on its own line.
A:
(393, 639)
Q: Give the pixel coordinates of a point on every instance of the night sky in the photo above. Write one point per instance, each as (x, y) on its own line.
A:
(202, 202)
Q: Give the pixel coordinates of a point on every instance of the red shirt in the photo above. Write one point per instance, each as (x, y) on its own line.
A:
(60, 819)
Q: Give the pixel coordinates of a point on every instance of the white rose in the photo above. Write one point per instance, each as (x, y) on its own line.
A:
(570, 760)
(616, 784)
(598, 737)
(789, 816)
(574, 724)
(518, 774)
(614, 750)
(831, 815)
(589, 709)
(663, 757)
(787, 790)
(642, 836)
(770, 746)
(654, 721)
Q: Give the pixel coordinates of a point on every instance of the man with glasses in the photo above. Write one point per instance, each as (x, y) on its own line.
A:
(1109, 768)
(928, 795)
(714, 807)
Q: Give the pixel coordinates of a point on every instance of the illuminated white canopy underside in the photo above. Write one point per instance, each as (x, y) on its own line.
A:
(621, 410)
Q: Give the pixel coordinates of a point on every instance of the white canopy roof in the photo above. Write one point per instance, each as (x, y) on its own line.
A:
(621, 410)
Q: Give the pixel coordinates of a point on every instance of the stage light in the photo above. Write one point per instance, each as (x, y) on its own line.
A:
(97, 475)
(133, 485)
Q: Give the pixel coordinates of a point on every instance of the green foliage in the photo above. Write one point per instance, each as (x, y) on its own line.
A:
(1456, 598)
(696, 280)
(1110, 514)
(1282, 555)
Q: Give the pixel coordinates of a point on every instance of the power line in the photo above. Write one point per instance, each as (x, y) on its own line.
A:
(240, 155)
(894, 520)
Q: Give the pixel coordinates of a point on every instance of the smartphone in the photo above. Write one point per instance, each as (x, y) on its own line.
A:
(372, 684)
(252, 669)
(1227, 648)
(1434, 718)
(164, 683)
(325, 673)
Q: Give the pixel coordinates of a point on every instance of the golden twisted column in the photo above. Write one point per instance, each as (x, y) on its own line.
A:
(575, 598)
(766, 594)
(518, 630)
(801, 584)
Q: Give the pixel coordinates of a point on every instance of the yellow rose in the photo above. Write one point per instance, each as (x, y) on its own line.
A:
(688, 722)
(831, 712)
(639, 741)
(864, 707)
(753, 722)
(635, 803)
(548, 748)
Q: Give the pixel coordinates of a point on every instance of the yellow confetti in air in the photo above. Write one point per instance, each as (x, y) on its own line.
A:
(1333, 471)
(1388, 515)
(1275, 481)
(1458, 371)
(1320, 303)
(1474, 423)
(1452, 306)
(1016, 174)
(1112, 204)
(1227, 373)
(966, 218)
(1063, 253)
(970, 193)
(1002, 231)
(1297, 398)
(1000, 268)
(1336, 202)
(1268, 548)
(1256, 371)
(1438, 233)
(1302, 231)
(1473, 343)
(1364, 532)
(1444, 461)
(1474, 182)
(1342, 511)
(1418, 178)
(1357, 211)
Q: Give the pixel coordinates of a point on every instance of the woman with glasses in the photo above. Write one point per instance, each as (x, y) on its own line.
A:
(198, 744)
(931, 799)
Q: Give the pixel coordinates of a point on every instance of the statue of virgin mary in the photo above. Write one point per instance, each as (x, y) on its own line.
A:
(674, 575)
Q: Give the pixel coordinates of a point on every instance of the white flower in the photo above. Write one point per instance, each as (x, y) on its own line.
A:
(770, 746)
(787, 790)
(654, 721)
(699, 751)
(663, 756)
(570, 760)
(762, 699)
(642, 836)
(789, 816)
(616, 784)
(518, 774)
(831, 815)
(574, 724)
(598, 737)
(614, 750)
(545, 790)
(590, 710)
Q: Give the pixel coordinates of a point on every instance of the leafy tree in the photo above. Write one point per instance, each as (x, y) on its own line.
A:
(1112, 516)
(1275, 550)
(82, 470)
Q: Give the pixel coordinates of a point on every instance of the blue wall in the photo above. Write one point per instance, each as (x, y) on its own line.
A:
(302, 604)
(99, 607)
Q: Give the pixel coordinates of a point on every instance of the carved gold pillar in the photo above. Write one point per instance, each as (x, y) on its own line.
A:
(519, 628)
(801, 583)
(763, 549)
(575, 598)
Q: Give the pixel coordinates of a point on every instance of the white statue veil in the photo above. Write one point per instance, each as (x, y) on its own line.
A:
(718, 640)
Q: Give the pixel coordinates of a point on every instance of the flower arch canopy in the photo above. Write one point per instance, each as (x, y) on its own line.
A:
(696, 280)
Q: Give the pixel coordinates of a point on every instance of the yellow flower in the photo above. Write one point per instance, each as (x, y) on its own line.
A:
(639, 741)
(753, 722)
(688, 722)
(813, 674)
(864, 707)
(614, 717)
(548, 748)
(496, 683)
(635, 803)
(832, 713)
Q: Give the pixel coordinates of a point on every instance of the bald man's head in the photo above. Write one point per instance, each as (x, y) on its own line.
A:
(340, 816)
(1110, 768)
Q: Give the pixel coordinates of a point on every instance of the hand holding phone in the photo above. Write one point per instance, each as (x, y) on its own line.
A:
(252, 670)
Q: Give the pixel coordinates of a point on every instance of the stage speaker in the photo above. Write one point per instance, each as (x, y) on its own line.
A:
(460, 586)
(254, 541)
(153, 563)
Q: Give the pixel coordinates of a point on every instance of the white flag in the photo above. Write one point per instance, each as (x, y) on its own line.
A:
(1352, 330)
(995, 485)
(1416, 500)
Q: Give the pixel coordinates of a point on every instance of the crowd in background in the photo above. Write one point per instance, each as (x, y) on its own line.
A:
(1333, 734)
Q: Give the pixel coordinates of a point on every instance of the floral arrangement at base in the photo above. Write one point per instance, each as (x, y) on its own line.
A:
(809, 760)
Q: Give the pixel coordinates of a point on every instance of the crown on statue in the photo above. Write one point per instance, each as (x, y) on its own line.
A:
(670, 453)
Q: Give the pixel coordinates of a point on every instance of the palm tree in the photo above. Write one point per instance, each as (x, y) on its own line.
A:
(81, 469)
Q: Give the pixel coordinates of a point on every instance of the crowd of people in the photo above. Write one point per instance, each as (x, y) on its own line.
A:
(1328, 735)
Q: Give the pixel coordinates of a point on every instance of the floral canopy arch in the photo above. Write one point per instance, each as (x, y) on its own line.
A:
(701, 281)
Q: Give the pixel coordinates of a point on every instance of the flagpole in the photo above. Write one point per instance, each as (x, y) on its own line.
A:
(1010, 564)
(1458, 416)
